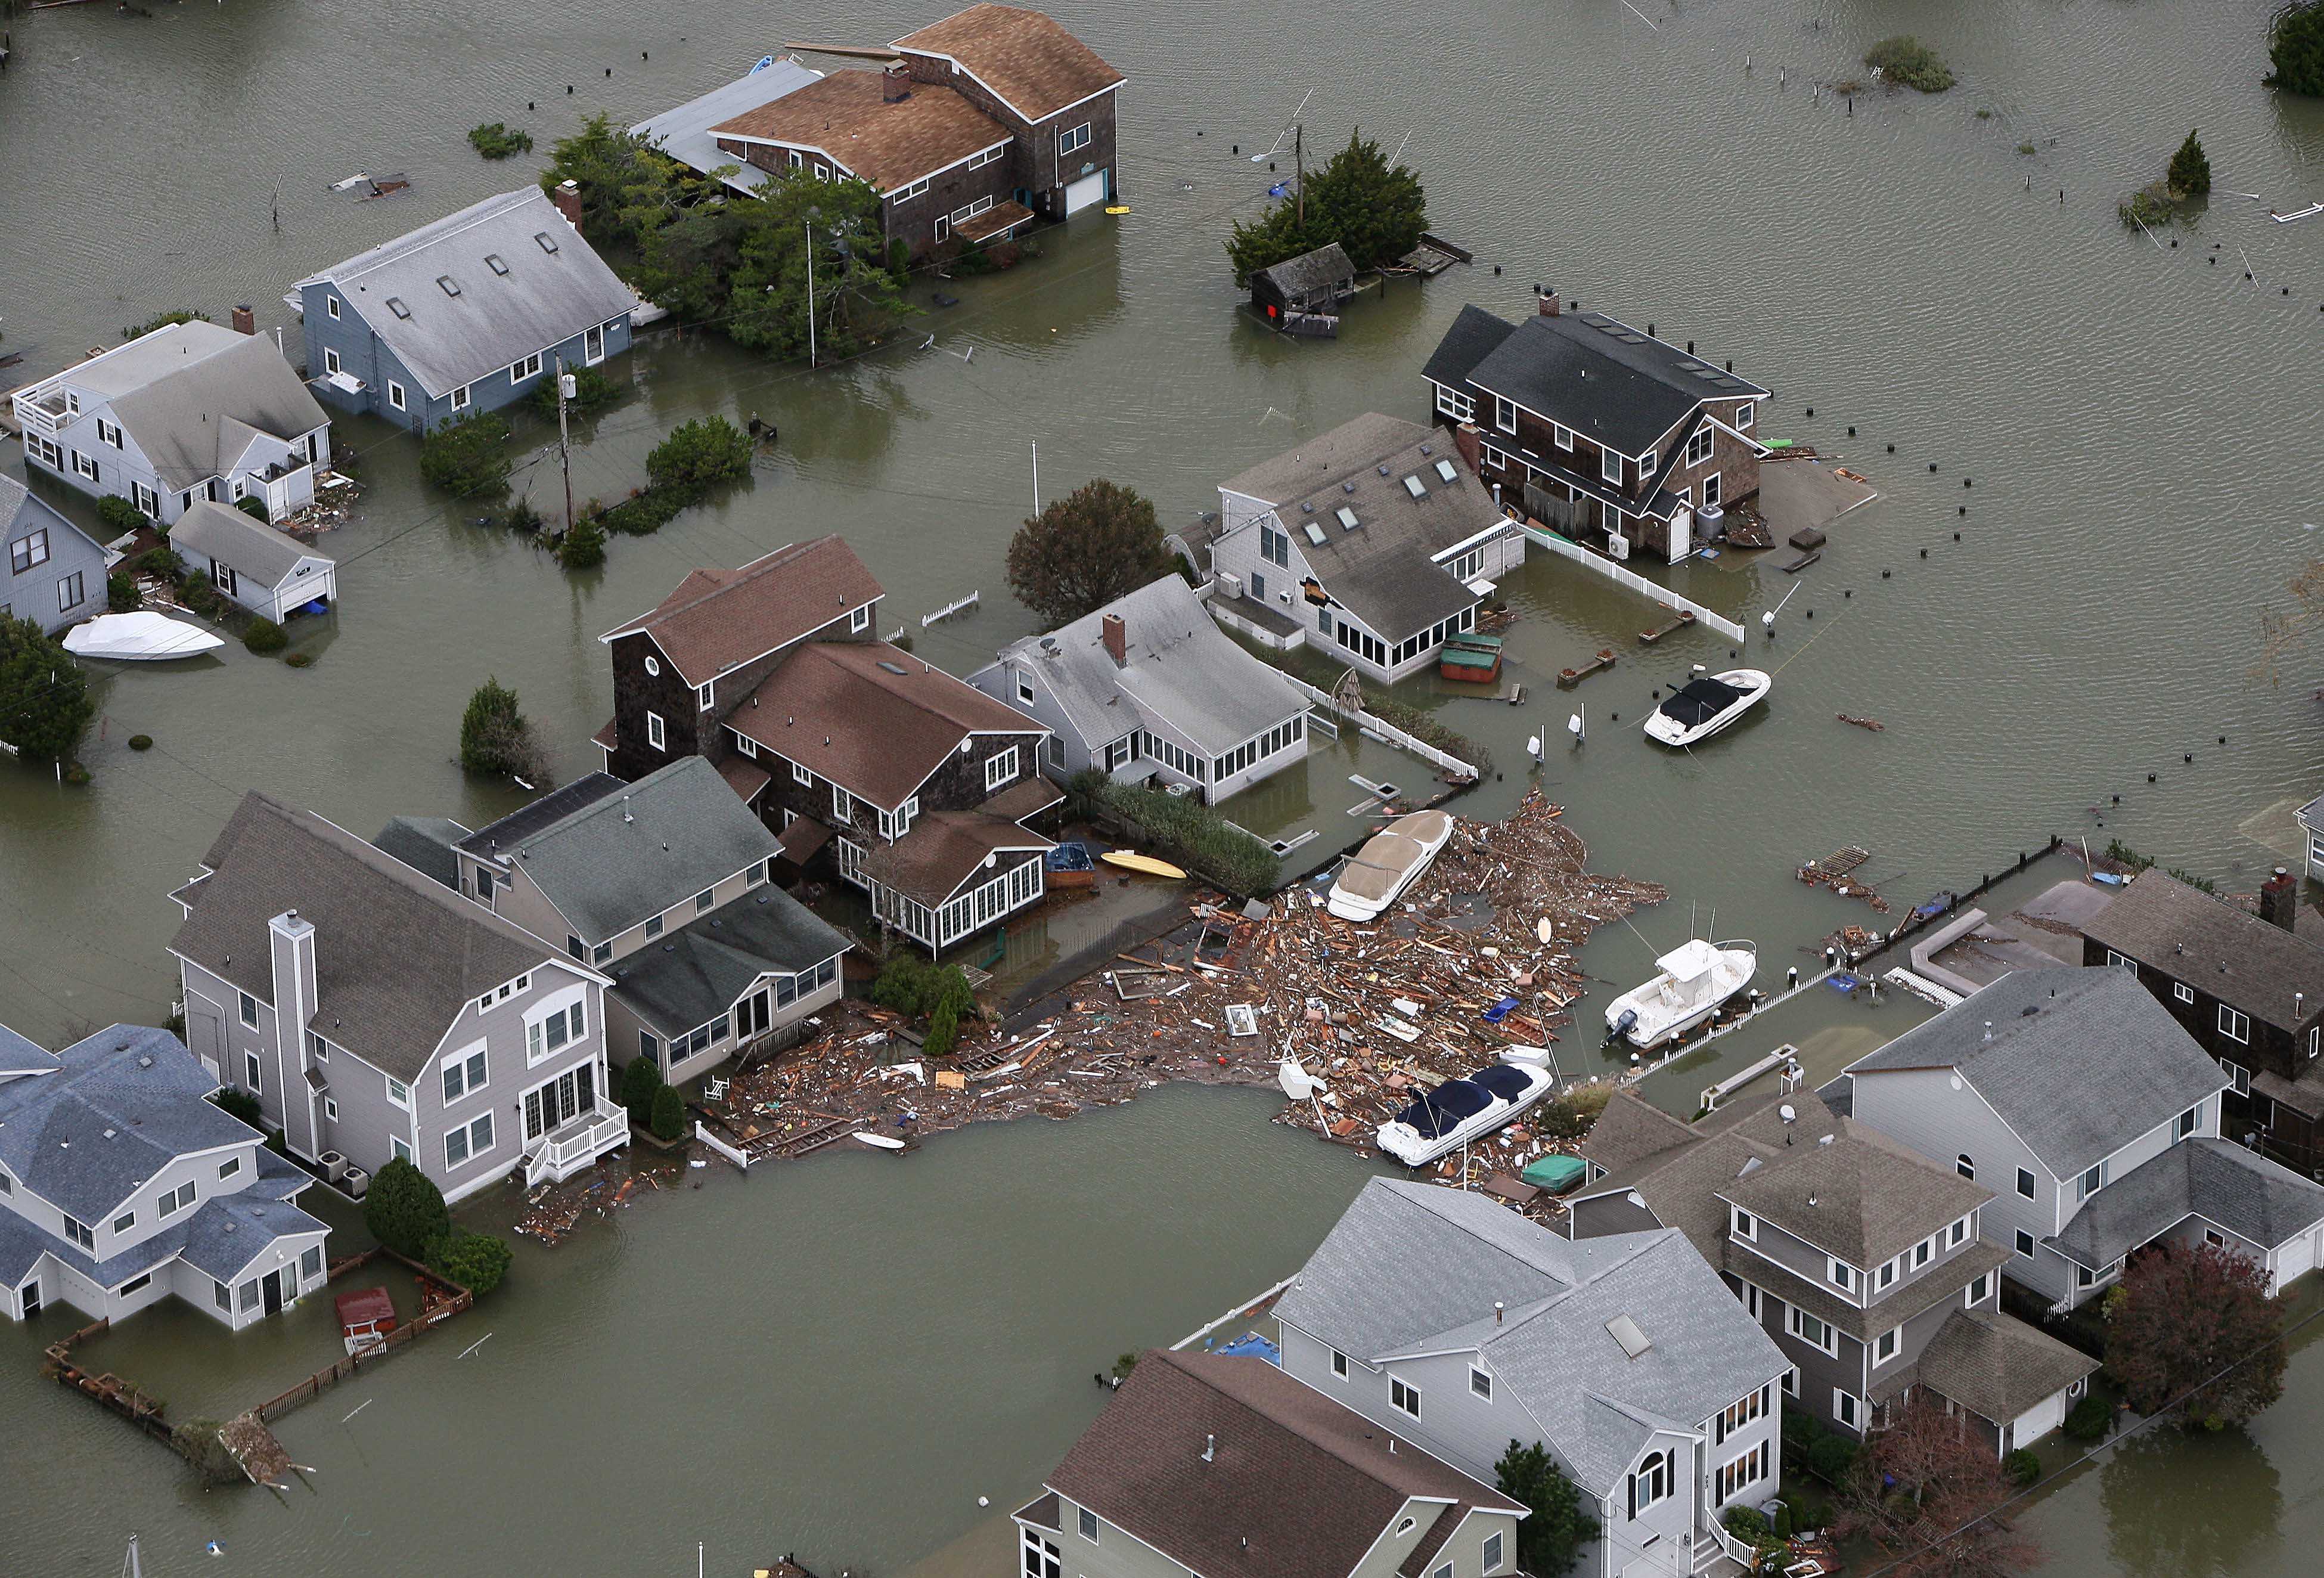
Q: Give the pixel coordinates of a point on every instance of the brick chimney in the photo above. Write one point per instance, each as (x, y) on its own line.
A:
(2278, 900)
(568, 199)
(1470, 444)
(244, 320)
(1547, 301)
(895, 83)
(1116, 636)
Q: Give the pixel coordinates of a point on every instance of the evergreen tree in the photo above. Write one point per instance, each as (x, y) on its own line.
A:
(2295, 47)
(1548, 1542)
(44, 702)
(2191, 172)
(1374, 210)
(404, 1210)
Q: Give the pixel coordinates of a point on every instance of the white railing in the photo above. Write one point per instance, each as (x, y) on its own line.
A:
(1735, 1550)
(574, 1146)
(1632, 579)
(1386, 731)
(35, 416)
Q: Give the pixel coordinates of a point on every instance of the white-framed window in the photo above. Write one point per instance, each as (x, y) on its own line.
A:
(2025, 1183)
(2238, 1074)
(81, 1232)
(801, 774)
(1846, 1408)
(1922, 1251)
(469, 1140)
(2121, 961)
(1791, 1381)
(1737, 1414)
(1562, 436)
(2211, 1236)
(330, 360)
(247, 1007)
(1744, 1472)
(798, 160)
(746, 745)
(83, 465)
(1085, 1524)
(527, 367)
(2188, 1120)
(1980, 1286)
(1651, 1481)
(2236, 1027)
(1751, 1299)
(655, 735)
(395, 394)
(843, 805)
(1000, 768)
(1884, 1346)
(1842, 1275)
(653, 926)
(1505, 414)
(463, 1074)
(592, 345)
(1040, 1558)
(702, 695)
(169, 1202)
(229, 1167)
(1884, 1277)
(1024, 688)
(400, 1148)
(1747, 1226)
(906, 194)
(1493, 1553)
(28, 551)
(1480, 1383)
(250, 1069)
(399, 1093)
(1609, 466)
(1957, 1232)
(1647, 463)
(1339, 1365)
(1403, 1396)
(1966, 1166)
(2024, 1244)
(1698, 448)
(1808, 1329)
(460, 398)
(71, 591)
(331, 1108)
(1073, 140)
(1459, 407)
(556, 1030)
(2182, 991)
(1745, 414)
(860, 620)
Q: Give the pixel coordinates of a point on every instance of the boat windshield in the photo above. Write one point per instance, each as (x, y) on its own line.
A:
(1509, 1083)
(1700, 701)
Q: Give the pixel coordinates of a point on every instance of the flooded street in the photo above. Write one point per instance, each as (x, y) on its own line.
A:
(763, 1364)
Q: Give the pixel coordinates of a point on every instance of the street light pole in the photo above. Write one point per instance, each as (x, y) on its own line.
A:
(809, 226)
(564, 443)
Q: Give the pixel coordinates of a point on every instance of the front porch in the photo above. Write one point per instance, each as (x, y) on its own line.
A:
(558, 1155)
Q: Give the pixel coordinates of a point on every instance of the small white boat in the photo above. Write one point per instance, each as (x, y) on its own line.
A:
(1707, 703)
(1389, 862)
(1695, 979)
(1461, 1110)
(878, 1142)
(139, 638)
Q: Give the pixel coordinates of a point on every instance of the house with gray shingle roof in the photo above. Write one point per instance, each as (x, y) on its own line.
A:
(1220, 1465)
(190, 411)
(121, 1183)
(466, 314)
(1374, 543)
(51, 572)
(270, 573)
(2075, 1095)
(665, 885)
(1447, 1317)
(1149, 687)
(376, 1013)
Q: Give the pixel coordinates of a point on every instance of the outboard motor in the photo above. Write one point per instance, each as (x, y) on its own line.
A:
(1618, 1027)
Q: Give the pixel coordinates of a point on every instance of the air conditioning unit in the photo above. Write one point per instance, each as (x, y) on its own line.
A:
(334, 1165)
(1617, 546)
(355, 1182)
(1229, 586)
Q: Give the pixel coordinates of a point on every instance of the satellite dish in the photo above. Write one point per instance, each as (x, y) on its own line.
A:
(1787, 1113)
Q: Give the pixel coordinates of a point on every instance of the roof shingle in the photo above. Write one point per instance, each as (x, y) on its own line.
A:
(888, 143)
(717, 619)
(2261, 970)
(1033, 65)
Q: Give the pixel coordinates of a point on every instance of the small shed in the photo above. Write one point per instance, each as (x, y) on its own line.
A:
(268, 572)
(1315, 281)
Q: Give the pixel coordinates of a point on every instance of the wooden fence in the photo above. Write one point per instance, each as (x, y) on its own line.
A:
(440, 1300)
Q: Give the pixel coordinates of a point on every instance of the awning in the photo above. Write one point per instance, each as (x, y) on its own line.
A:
(802, 838)
(994, 221)
(744, 777)
(345, 382)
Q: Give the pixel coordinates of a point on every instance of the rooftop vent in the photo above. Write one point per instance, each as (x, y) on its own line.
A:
(1415, 487)
(1347, 521)
(548, 242)
(891, 667)
(1306, 506)
(1428, 448)
(1625, 1331)
(496, 263)
(1827, 1139)
(1347, 487)
(395, 304)
(1381, 469)
(145, 1062)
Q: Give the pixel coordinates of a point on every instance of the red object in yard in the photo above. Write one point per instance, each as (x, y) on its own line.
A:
(365, 1317)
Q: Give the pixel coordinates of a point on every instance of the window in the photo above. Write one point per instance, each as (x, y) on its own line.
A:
(1000, 769)
(1339, 1365)
(906, 194)
(796, 159)
(1737, 1414)
(529, 368)
(2187, 1122)
(317, 1049)
(860, 620)
(1791, 1381)
(823, 172)
(496, 263)
(1085, 1522)
(1505, 414)
(1404, 1397)
(230, 1167)
(400, 1147)
(1885, 1276)
(575, 946)
(399, 1093)
(2025, 1243)
(330, 360)
(137, 1283)
(44, 451)
(1073, 141)
(2211, 1236)
(1842, 1275)
(1808, 1329)
(702, 695)
(1650, 1482)
(1751, 1300)
(1747, 1226)
(2025, 1183)
(1884, 1346)
(124, 1222)
(70, 590)
(1459, 407)
(250, 1066)
(562, 1026)
(1957, 1232)
(224, 1297)
(1493, 1552)
(331, 305)
(1647, 463)
(169, 1202)
(1922, 1251)
(1845, 1407)
(2239, 1075)
(2235, 1026)
(83, 465)
(247, 1006)
(653, 926)
(2090, 1182)
(1698, 448)
(460, 398)
(1744, 1472)
(1040, 1558)
(80, 1234)
(1978, 1290)
(468, 1141)
(1609, 466)
(395, 394)
(654, 735)
(331, 1109)
(1743, 414)
(1480, 1383)
(1257, 587)
(246, 1296)
(28, 551)
(310, 1263)
(463, 1074)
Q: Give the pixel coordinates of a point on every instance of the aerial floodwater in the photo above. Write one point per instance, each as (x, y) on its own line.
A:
(2107, 462)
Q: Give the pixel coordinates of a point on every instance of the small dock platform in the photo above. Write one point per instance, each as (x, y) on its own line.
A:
(1567, 678)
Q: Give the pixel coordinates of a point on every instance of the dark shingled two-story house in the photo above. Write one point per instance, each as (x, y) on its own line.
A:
(973, 127)
(2249, 992)
(1597, 428)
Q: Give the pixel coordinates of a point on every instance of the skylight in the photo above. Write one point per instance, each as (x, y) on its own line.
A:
(1413, 485)
(395, 305)
(1444, 469)
(1314, 533)
(496, 263)
(1348, 518)
(548, 242)
(451, 286)
(1625, 1331)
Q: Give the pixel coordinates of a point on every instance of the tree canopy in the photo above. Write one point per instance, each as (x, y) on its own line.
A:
(2295, 48)
(496, 738)
(2191, 169)
(2195, 1331)
(405, 1209)
(45, 701)
(1548, 1542)
(1931, 1492)
(1099, 543)
(1374, 210)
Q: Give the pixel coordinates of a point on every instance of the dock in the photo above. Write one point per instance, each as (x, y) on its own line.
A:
(1567, 678)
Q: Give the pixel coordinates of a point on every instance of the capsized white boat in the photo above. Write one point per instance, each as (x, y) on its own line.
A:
(139, 638)
(1461, 1110)
(1694, 981)
(1388, 864)
(1707, 703)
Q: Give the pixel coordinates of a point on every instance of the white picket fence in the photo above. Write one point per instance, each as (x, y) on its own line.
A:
(1389, 731)
(740, 1158)
(1633, 580)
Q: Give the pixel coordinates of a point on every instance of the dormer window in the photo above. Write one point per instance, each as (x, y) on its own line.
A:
(1747, 1226)
(450, 286)
(397, 305)
(496, 263)
(1843, 1276)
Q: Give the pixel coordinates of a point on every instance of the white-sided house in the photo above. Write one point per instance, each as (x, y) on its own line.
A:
(376, 1013)
(663, 884)
(1375, 541)
(1214, 1464)
(51, 572)
(121, 1182)
(1148, 687)
(268, 572)
(187, 413)
(2095, 1119)
(1449, 1318)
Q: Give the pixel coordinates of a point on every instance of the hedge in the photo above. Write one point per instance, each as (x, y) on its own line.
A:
(1189, 833)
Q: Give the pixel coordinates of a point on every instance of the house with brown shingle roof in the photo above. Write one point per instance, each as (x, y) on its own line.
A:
(969, 129)
(916, 786)
(1226, 1467)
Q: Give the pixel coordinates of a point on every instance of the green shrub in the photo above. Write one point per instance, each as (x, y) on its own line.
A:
(464, 456)
(404, 1210)
(943, 1029)
(1831, 1456)
(141, 742)
(238, 1104)
(669, 1114)
(2023, 1467)
(1575, 1113)
(698, 456)
(164, 320)
(2090, 1420)
(495, 738)
(640, 1080)
(253, 507)
(583, 546)
(121, 594)
(299, 660)
(593, 392)
(119, 515)
(1908, 61)
(2295, 48)
(898, 985)
(262, 636)
(162, 562)
(524, 518)
(475, 1261)
(495, 141)
(1194, 836)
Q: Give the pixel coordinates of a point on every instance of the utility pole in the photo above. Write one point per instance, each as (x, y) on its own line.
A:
(809, 225)
(564, 437)
(1299, 167)
(1036, 476)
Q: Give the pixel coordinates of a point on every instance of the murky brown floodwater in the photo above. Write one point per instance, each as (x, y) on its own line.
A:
(2140, 427)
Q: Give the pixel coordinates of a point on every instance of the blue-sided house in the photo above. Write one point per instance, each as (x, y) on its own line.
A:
(467, 314)
(121, 1182)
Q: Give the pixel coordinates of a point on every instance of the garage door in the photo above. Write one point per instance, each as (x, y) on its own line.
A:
(1089, 191)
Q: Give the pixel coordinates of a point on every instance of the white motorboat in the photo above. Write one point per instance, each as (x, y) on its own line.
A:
(1388, 862)
(1707, 703)
(1695, 979)
(139, 638)
(1461, 1110)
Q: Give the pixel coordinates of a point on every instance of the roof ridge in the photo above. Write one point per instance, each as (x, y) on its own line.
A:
(742, 575)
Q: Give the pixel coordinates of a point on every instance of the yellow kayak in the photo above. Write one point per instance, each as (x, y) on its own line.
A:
(1141, 863)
